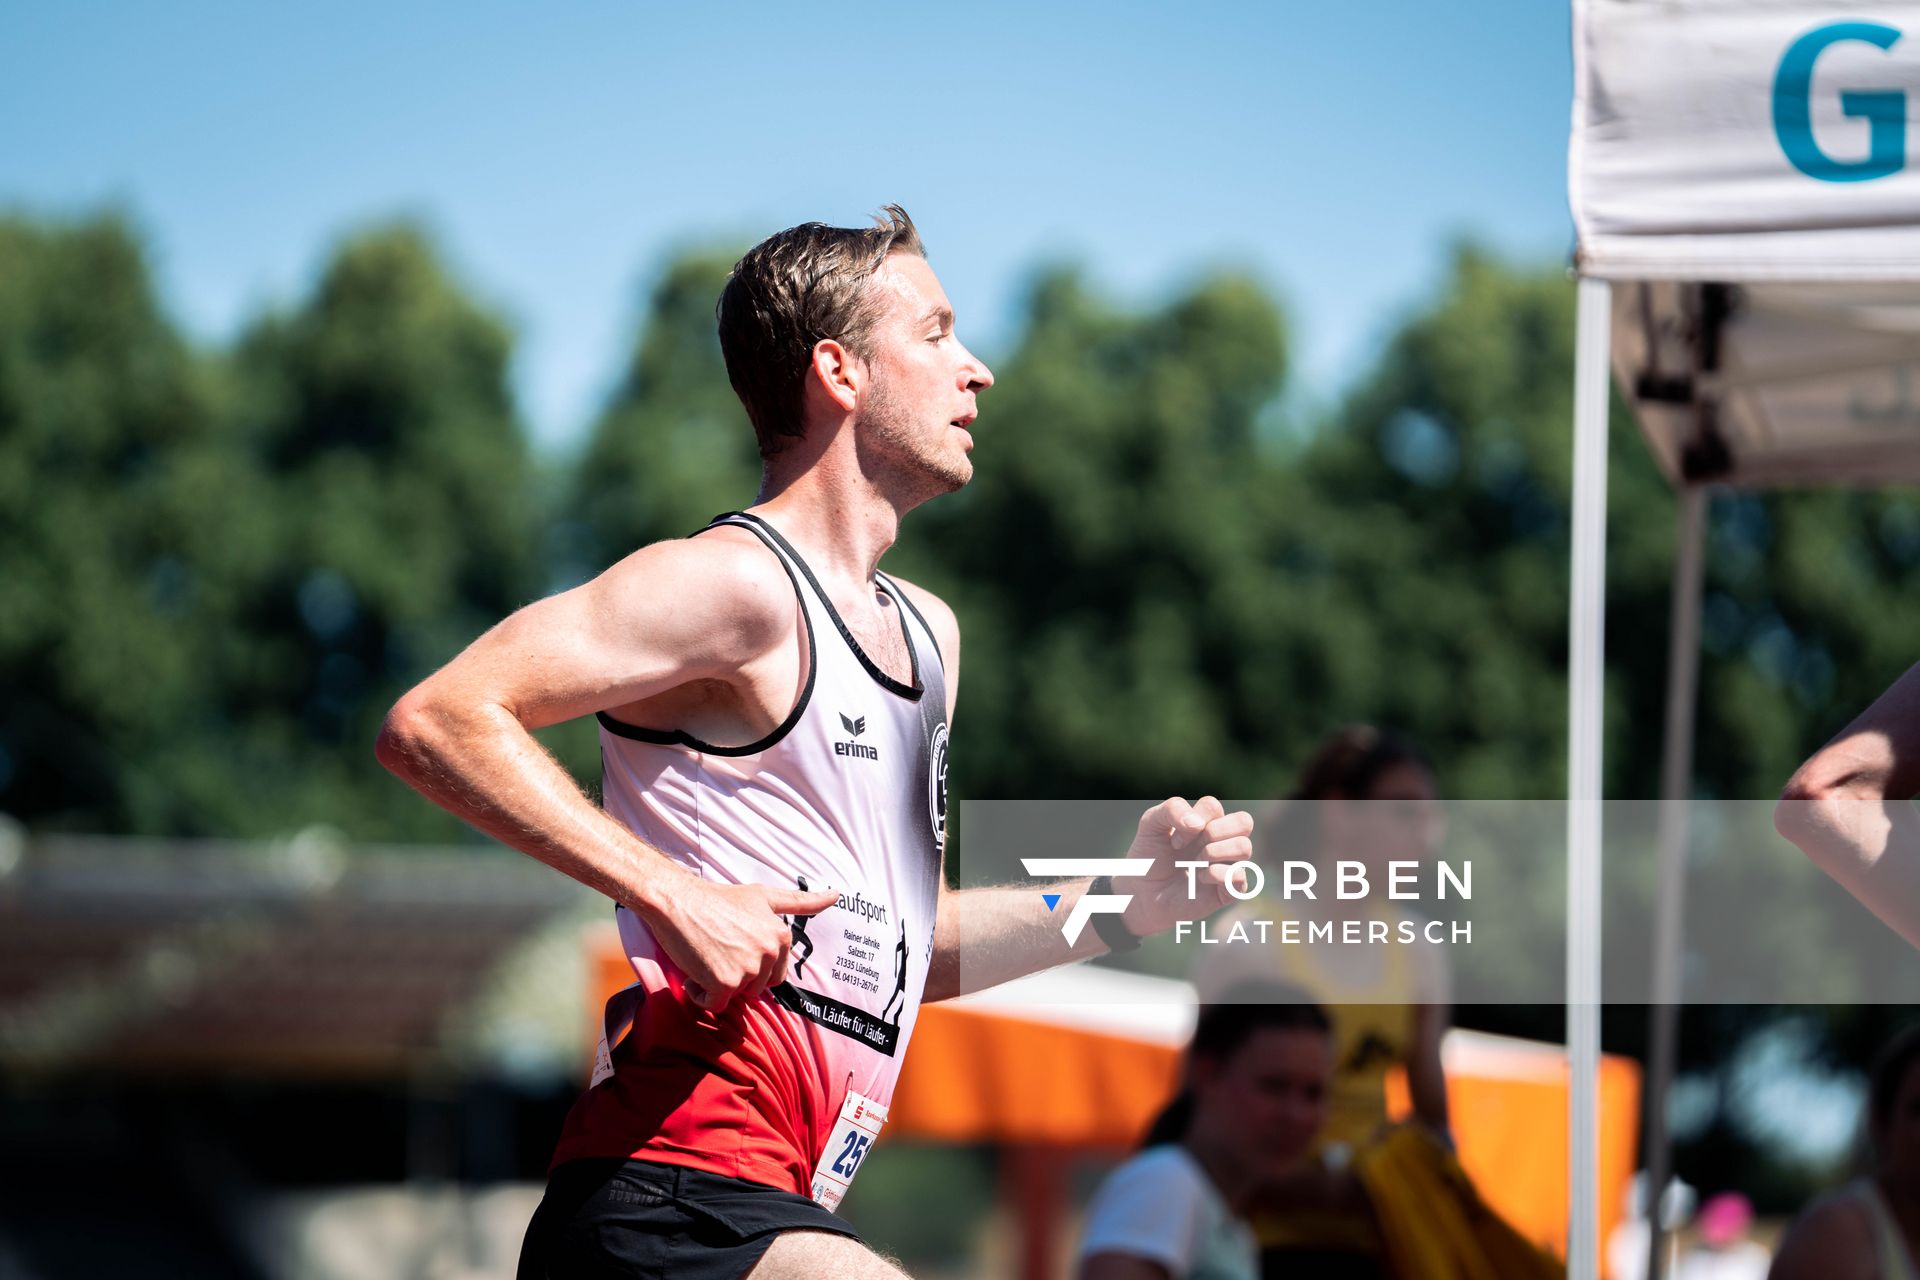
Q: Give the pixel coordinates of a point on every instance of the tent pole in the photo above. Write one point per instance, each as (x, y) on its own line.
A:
(1586, 626)
(1676, 785)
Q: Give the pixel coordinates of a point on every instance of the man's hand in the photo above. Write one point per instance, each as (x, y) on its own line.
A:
(730, 940)
(1175, 831)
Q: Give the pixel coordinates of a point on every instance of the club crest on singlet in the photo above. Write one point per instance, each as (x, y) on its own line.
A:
(937, 785)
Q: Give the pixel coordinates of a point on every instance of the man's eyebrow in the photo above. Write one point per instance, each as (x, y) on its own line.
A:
(943, 314)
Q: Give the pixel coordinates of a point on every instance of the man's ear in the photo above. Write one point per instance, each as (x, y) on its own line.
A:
(839, 373)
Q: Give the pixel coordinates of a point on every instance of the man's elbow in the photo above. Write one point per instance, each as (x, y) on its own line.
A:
(1812, 807)
(407, 736)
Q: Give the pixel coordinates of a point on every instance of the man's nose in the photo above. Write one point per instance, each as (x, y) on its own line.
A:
(979, 377)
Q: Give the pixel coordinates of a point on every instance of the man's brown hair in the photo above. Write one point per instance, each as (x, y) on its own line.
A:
(792, 290)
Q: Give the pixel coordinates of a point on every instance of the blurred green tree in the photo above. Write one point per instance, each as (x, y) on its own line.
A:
(117, 487)
(1445, 485)
(673, 447)
(380, 413)
(1109, 560)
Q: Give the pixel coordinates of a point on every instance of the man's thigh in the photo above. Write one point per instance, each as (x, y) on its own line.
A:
(808, 1255)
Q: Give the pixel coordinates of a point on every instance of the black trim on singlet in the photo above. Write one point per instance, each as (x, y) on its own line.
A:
(913, 692)
(680, 737)
(933, 638)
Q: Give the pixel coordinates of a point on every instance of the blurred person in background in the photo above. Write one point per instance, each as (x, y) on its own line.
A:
(773, 719)
(1388, 1004)
(1254, 1096)
(1849, 807)
(1870, 1229)
(1724, 1251)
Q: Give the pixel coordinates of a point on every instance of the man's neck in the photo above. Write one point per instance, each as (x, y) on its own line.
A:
(840, 515)
(841, 521)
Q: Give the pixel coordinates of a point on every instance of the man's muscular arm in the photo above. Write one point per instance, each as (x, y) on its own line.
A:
(1007, 932)
(671, 613)
(1849, 810)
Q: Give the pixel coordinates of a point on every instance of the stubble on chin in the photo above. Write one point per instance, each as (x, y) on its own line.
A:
(921, 459)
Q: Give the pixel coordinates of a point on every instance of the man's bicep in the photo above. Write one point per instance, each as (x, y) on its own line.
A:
(667, 614)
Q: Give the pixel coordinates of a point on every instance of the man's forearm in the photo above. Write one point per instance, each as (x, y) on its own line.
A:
(987, 936)
(482, 766)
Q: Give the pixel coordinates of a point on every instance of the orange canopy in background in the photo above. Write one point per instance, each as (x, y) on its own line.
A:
(1507, 1103)
(1084, 1057)
(1078, 1057)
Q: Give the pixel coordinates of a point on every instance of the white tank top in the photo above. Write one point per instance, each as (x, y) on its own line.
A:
(848, 793)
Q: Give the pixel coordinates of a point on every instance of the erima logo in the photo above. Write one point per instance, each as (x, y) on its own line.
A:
(856, 727)
(1089, 903)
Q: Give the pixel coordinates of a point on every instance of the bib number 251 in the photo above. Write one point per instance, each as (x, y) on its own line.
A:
(846, 1147)
(857, 1144)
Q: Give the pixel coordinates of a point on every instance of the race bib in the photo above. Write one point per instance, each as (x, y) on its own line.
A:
(848, 1144)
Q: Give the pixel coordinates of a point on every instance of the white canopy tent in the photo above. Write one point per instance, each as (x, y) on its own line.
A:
(1748, 210)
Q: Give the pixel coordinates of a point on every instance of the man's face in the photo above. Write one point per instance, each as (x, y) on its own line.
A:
(915, 412)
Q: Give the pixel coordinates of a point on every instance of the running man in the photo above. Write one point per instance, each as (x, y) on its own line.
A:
(896, 1003)
(771, 706)
(800, 946)
(1849, 807)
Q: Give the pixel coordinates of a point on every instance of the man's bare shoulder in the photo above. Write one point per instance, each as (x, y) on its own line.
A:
(724, 583)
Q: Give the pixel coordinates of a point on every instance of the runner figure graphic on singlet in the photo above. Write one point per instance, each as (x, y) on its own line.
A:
(747, 1065)
(899, 979)
(799, 957)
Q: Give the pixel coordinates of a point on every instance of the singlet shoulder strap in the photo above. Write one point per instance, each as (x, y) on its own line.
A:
(933, 641)
(911, 692)
(680, 737)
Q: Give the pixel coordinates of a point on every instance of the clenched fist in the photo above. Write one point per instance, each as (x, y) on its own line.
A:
(1174, 831)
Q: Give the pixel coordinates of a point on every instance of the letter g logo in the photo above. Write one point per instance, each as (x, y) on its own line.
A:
(1884, 110)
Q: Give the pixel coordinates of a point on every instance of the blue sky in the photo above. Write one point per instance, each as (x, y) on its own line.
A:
(560, 153)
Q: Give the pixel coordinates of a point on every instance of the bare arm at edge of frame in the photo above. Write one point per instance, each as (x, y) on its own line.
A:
(1832, 1240)
(1848, 807)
